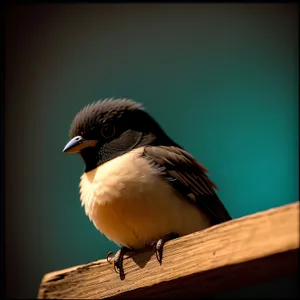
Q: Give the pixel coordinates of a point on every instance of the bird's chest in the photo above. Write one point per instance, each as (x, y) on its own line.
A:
(118, 182)
(122, 198)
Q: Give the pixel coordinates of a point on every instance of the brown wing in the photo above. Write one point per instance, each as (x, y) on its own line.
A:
(189, 178)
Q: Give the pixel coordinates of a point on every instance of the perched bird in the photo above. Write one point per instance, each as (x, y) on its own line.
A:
(139, 187)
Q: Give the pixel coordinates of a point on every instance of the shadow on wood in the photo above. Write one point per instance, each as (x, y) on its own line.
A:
(231, 255)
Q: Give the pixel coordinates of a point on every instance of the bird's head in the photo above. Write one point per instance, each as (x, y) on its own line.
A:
(106, 129)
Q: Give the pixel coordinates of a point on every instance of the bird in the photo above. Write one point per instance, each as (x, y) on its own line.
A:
(139, 187)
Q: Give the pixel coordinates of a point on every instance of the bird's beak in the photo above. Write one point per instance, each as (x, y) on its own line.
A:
(78, 143)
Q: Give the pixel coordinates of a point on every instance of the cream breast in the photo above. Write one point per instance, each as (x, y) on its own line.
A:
(128, 200)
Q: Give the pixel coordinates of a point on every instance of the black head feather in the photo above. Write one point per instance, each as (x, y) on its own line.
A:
(131, 127)
(95, 114)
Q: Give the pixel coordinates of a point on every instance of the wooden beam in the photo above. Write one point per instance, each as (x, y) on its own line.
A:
(231, 255)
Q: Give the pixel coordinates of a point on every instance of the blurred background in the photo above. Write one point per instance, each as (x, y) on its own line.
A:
(221, 79)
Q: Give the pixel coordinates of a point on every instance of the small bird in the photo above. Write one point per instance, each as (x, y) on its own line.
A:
(139, 188)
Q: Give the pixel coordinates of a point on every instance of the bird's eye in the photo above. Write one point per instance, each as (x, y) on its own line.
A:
(108, 131)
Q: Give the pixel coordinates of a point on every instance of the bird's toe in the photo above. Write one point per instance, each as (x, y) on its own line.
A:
(118, 265)
(109, 257)
(159, 245)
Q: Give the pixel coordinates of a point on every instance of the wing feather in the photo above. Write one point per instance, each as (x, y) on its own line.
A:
(188, 177)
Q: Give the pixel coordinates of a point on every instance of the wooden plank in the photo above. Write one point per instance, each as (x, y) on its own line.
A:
(237, 253)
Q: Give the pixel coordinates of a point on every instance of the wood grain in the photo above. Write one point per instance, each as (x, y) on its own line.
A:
(234, 254)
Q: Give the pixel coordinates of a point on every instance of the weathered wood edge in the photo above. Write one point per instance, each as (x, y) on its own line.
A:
(267, 241)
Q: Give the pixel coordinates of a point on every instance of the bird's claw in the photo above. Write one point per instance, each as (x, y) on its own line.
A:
(159, 245)
(118, 266)
(117, 260)
(158, 249)
(109, 257)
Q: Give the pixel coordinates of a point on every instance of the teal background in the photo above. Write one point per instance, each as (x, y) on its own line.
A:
(222, 80)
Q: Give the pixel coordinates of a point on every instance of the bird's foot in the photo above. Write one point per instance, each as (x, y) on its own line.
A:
(159, 245)
(117, 259)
